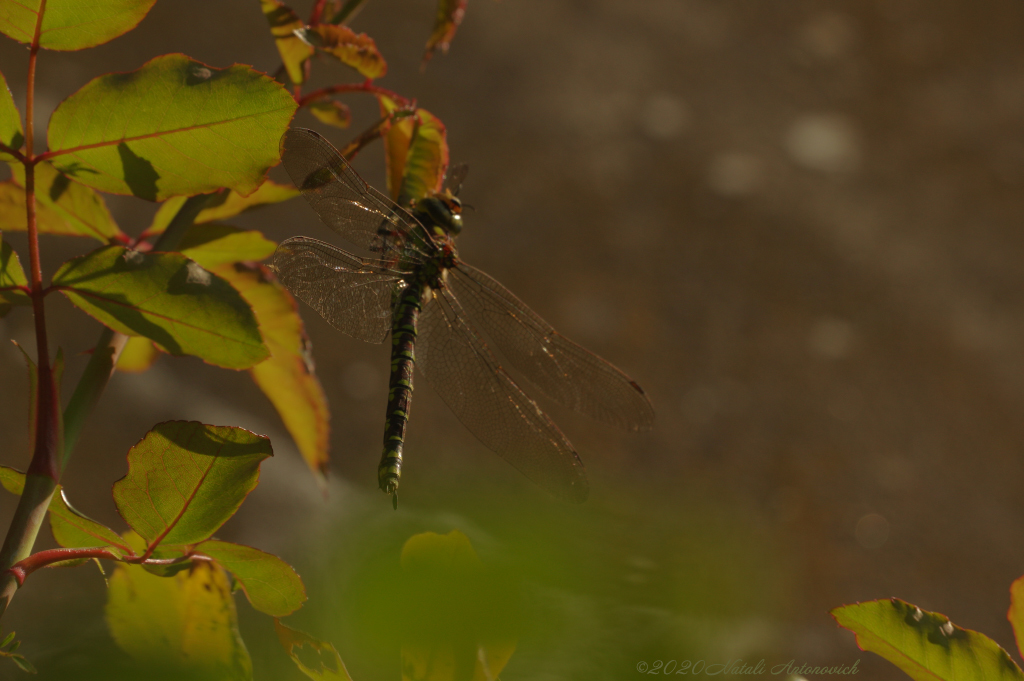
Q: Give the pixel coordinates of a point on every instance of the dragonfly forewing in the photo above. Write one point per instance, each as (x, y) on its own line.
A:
(345, 202)
(467, 376)
(353, 294)
(564, 371)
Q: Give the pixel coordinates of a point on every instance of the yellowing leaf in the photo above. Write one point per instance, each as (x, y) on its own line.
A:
(11, 276)
(271, 585)
(10, 121)
(287, 378)
(232, 204)
(185, 624)
(925, 645)
(138, 355)
(71, 24)
(1016, 613)
(356, 50)
(330, 666)
(63, 206)
(294, 51)
(173, 127)
(214, 245)
(416, 151)
(330, 112)
(449, 16)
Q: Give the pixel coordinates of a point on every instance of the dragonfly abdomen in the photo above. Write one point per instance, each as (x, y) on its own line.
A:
(403, 341)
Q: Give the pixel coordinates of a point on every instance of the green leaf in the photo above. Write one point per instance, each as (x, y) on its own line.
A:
(232, 205)
(71, 528)
(167, 298)
(287, 378)
(11, 274)
(63, 206)
(213, 245)
(330, 112)
(1016, 612)
(449, 16)
(10, 121)
(294, 51)
(925, 645)
(356, 50)
(330, 666)
(138, 355)
(185, 479)
(186, 625)
(174, 126)
(71, 24)
(416, 150)
(271, 584)
(23, 664)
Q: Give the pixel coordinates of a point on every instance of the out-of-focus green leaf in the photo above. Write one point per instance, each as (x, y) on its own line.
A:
(449, 16)
(167, 298)
(10, 121)
(1016, 612)
(271, 584)
(185, 624)
(63, 206)
(356, 50)
(294, 51)
(287, 378)
(232, 205)
(11, 274)
(138, 355)
(416, 149)
(330, 666)
(174, 126)
(71, 528)
(18, 659)
(213, 245)
(448, 602)
(925, 645)
(71, 24)
(185, 479)
(330, 112)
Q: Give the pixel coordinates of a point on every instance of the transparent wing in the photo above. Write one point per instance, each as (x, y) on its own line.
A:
(567, 373)
(353, 294)
(345, 202)
(469, 379)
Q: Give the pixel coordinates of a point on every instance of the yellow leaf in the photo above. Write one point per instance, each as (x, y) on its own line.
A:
(287, 377)
(231, 205)
(355, 50)
(449, 16)
(294, 51)
(330, 112)
(138, 355)
(331, 668)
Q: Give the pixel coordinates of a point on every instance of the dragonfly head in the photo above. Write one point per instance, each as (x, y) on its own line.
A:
(440, 212)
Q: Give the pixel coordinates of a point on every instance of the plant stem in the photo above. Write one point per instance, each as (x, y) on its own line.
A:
(365, 86)
(41, 479)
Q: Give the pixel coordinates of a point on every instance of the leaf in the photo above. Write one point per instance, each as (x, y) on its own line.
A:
(1016, 612)
(174, 126)
(186, 625)
(63, 206)
(330, 112)
(416, 150)
(185, 479)
(356, 50)
(233, 204)
(452, 620)
(138, 355)
(23, 664)
(10, 120)
(925, 645)
(346, 11)
(294, 51)
(167, 298)
(287, 378)
(11, 274)
(71, 24)
(449, 16)
(271, 584)
(71, 528)
(331, 668)
(213, 245)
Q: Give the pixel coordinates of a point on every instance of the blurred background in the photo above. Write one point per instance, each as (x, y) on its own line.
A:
(796, 224)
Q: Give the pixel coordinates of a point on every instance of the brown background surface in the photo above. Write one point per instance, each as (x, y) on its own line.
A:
(796, 224)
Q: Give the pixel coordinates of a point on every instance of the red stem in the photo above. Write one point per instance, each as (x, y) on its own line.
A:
(18, 156)
(24, 568)
(318, 12)
(365, 86)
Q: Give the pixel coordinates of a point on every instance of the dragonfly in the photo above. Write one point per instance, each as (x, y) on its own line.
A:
(447, 318)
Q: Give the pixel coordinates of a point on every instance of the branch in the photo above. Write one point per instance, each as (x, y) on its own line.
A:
(13, 152)
(23, 568)
(366, 86)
